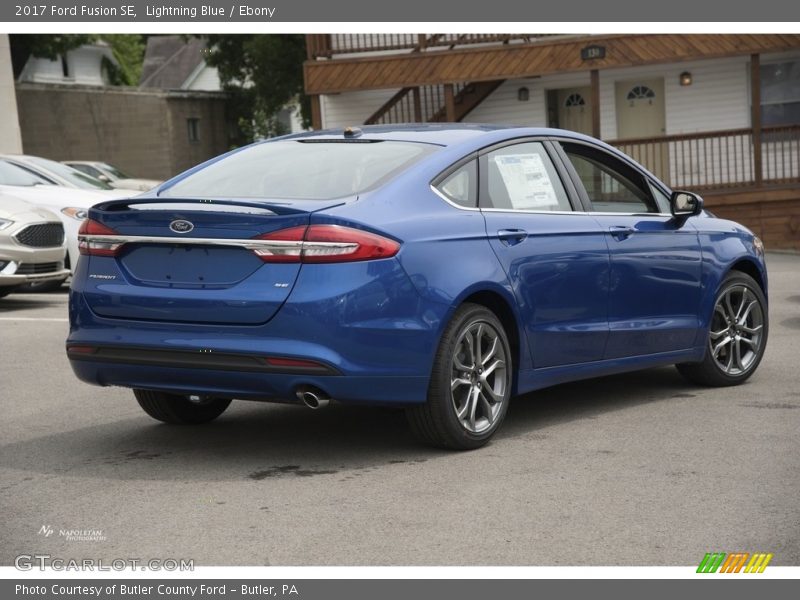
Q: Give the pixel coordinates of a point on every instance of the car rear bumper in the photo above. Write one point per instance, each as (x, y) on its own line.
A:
(7, 280)
(365, 323)
(268, 387)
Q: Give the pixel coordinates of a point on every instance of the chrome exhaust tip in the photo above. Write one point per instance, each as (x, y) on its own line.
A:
(313, 399)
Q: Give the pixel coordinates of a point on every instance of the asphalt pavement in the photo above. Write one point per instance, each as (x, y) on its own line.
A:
(636, 469)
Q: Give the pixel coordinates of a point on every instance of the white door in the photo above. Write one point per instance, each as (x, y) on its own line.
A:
(640, 114)
(575, 109)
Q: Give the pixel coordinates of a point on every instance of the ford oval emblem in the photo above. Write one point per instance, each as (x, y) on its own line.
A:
(181, 226)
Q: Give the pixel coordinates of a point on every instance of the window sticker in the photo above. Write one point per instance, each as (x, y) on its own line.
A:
(527, 181)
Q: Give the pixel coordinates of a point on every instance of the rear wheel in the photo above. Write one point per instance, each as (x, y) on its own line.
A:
(470, 385)
(737, 334)
(180, 410)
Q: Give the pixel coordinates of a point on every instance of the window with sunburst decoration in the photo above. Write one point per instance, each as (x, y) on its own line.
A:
(641, 92)
(574, 100)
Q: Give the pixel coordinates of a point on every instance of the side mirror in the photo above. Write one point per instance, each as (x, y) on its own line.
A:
(104, 178)
(685, 204)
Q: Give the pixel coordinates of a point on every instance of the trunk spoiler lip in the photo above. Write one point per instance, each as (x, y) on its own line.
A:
(279, 207)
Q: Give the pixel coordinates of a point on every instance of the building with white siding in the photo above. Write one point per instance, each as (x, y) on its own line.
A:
(719, 114)
(10, 138)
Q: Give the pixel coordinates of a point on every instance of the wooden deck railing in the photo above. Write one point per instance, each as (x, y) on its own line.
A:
(719, 159)
(328, 45)
(413, 105)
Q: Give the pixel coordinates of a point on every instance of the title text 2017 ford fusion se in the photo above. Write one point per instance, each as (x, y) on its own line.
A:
(442, 269)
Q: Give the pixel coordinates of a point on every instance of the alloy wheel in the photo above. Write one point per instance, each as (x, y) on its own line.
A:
(479, 377)
(736, 332)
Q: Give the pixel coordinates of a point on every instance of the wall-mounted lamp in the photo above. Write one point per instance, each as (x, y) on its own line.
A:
(686, 78)
(523, 94)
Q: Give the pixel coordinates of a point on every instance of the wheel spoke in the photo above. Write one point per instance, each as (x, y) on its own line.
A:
(491, 352)
(459, 365)
(487, 407)
(752, 330)
(742, 320)
(487, 389)
(471, 347)
(458, 382)
(730, 313)
(716, 350)
(491, 368)
(729, 364)
(715, 335)
(473, 405)
(737, 355)
(739, 311)
(461, 413)
(749, 342)
(477, 357)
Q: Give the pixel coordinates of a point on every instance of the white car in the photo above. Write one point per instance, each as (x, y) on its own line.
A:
(56, 173)
(69, 204)
(31, 245)
(112, 175)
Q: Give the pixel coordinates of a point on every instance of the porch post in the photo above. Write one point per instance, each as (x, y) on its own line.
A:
(417, 105)
(755, 115)
(316, 112)
(449, 103)
(595, 80)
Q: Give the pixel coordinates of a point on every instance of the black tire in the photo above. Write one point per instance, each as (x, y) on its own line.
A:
(709, 371)
(179, 410)
(42, 286)
(5, 291)
(436, 422)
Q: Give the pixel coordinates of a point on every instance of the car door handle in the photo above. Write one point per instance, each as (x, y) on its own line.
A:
(621, 232)
(511, 237)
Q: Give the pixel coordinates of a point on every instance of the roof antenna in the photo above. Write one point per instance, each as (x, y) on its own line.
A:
(352, 132)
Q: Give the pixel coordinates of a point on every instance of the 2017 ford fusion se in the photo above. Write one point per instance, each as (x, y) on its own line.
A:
(443, 269)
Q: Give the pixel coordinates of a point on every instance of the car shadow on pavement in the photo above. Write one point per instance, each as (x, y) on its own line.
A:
(261, 441)
(23, 301)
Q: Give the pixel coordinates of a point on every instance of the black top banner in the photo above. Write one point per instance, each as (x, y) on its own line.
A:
(464, 11)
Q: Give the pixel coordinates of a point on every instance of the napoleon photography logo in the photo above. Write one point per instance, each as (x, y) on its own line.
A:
(46, 531)
(74, 535)
(733, 563)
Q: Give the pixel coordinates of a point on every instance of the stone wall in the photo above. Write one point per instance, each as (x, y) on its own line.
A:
(143, 132)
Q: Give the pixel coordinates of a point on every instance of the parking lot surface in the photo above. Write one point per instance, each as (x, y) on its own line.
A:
(636, 469)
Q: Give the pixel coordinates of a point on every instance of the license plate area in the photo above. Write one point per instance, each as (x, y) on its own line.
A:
(188, 265)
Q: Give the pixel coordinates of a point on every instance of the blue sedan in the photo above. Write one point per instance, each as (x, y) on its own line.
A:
(438, 268)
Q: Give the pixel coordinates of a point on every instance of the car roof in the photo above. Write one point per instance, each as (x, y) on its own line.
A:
(442, 134)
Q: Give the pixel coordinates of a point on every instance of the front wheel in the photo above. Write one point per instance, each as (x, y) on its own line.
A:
(180, 410)
(470, 385)
(737, 334)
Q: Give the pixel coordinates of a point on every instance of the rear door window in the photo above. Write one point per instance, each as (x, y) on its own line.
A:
(522, 177)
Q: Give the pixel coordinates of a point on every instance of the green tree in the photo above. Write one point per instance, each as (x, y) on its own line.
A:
(128, 51)
(263, 74)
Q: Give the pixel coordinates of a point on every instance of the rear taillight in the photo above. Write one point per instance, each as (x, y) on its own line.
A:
(97, 245)
(325, 244)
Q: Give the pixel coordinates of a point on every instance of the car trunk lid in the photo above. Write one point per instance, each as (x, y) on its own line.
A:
(193, 260)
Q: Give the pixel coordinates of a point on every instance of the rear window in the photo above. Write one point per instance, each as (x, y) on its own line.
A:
(310, 170)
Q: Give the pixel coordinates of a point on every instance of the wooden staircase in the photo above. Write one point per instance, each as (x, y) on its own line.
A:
(433, 103)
